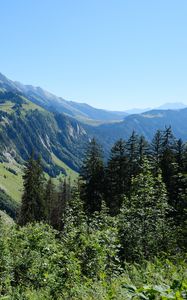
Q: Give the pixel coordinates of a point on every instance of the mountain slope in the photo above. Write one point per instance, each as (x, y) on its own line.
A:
(25, 126)
(144, 124)
(80, 111)
(176, 105)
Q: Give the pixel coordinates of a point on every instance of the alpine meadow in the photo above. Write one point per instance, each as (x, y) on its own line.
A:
(93, 192)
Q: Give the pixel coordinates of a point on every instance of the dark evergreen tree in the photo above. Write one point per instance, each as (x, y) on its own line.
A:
(92, 178)
(116, 177)
(143, 148)
(60, 204)
(156, 151)
(50, 197)
(133, 157)
(168, 161)
(180, 155)
(32, 208)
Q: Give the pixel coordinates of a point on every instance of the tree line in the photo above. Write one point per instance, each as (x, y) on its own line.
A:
(141, 192)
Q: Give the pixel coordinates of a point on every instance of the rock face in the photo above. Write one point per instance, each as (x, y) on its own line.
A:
(24, 128)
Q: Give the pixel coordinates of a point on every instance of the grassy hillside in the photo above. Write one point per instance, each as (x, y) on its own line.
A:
(69, 172)
(6, 219)
(25, 126)
(11, 180)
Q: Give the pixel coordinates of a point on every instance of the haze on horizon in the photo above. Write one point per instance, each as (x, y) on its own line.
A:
(112, 54)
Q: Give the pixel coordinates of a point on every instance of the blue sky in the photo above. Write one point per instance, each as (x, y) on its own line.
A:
(113, 54)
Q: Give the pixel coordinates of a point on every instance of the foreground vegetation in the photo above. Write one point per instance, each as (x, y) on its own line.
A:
(38, 263)
(119, 233)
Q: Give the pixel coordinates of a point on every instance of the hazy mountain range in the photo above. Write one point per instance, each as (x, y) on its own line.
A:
(80, 111)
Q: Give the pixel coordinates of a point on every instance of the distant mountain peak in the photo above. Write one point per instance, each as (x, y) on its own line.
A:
(172, 105)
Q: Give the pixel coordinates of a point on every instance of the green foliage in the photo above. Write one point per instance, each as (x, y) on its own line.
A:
(143, 218)
(38, 263)
(101, 252)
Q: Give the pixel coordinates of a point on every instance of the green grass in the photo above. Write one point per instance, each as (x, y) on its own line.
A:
(13, 184)
(70, 173)
(7, 220)
(7, 106)
(30, 105)
(9, 182)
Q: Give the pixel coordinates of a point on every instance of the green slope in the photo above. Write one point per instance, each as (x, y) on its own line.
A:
(25, 126)
(11, 180)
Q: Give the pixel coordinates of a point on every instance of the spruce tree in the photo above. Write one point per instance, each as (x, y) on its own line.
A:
(116, 177)
(92, 178)
(168, 159)
(143, 147)
(50, 196)
(60, 203)
(133, 157)
(180, 155)
(32, 207)
(156, 151)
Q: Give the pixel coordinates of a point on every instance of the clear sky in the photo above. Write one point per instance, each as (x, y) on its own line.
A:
(113, 54)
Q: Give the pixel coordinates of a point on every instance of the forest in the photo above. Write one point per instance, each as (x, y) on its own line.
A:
(118, 232)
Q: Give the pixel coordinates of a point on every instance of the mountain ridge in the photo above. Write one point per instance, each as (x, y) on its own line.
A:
(80, 111)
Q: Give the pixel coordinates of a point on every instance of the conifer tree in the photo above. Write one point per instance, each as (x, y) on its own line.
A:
(92, 178)
(32, 207)
(60, 203)
(180, 155)
(116, 177)
(142, 149)
(142, 220)
(168, 161)
(156, 151)
(50, 197)
(133, 157)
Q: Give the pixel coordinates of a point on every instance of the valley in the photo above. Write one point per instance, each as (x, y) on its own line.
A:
(59, 130)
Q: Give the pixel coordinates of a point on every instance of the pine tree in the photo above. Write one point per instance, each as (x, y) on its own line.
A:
(116, 177)
(92, 178)
(60, 203)
(156, 151)
(168, 160)
(32, 207)
(180, 155)
(133, 157)
(50, 197)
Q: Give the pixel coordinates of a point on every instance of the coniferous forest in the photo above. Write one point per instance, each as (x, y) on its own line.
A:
(118, 232)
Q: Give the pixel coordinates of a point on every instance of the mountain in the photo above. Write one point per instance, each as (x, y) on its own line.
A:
(25, 126)
(165, 106)
(80, 111)
(137, 110)
(144, 124)
(175, 105)
(61, 134)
